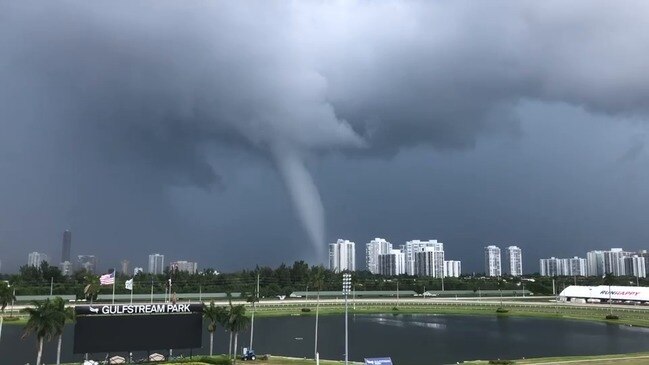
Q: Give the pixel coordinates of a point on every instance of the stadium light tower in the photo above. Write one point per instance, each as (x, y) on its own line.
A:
(347, 285)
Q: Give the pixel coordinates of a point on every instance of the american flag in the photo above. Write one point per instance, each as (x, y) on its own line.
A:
(108, 279)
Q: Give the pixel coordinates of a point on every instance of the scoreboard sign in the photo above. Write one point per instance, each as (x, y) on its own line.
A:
(137, 327)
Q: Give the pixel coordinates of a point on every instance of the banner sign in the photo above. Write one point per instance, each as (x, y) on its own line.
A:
(126, 309)
(378, 361)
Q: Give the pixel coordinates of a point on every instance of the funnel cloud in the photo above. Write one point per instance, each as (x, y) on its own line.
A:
(122, 120)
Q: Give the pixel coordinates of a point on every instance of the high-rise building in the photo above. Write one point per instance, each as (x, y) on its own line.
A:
(578, 266)
(342, 256)
(563, 267)
(35, 259)
(156, 263)
(373, 249)
(66, 246)
(391, 264)
(87, 262)
(614, 261)
(411, 248)
(187, 266)
(125, 267)
(429, 261)
(635, 266)
(66, 268)
(492, 261)
(452, 269)
(645, 254)
(514, 261)
(595, 262)
(137, 270)
(550, 267)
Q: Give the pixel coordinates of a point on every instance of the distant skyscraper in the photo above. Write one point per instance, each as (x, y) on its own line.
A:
(614, 261)
(373, 249)
(392, 264)
(595, 262)
(578, 266)
(492, 261)
(429, 261)
(452, 269)
(66, 268)
(35, 259)
(67, 246)
(550, 267)
(125, 267)
(342, 256)
(87, 262)
(411, 248)
(635, 266)
(514, 261)
(156, 263)
(187, 266)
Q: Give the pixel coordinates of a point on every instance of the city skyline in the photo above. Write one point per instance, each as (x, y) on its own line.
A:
(507, 262)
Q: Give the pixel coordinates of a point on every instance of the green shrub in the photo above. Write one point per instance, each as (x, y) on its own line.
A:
(501, 362)
(612, 316)
(502, 310)
(306, 310)
(395, 308)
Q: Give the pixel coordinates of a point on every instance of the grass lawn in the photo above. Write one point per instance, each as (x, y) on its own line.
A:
(633, 318)
(622, 359)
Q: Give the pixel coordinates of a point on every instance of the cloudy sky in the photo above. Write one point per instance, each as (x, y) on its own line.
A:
(243, 133)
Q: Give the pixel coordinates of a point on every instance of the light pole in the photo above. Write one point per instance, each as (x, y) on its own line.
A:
(347, 284)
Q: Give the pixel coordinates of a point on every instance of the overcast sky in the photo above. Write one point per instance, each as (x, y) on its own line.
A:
(244, 133)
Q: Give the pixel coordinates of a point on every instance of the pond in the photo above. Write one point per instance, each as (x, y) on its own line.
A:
(408, 339)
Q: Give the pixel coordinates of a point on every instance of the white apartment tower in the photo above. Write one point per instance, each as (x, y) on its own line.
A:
(35, 259)
(411, 248)
(182, 265)
(595, 263)
(515, 260)
(156, 263)
(452, 269)
(342, 256)
(392, 264)
(429, 261)
(373, 249)
(492, 261)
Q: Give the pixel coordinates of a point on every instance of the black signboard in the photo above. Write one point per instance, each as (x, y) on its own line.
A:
(122, 309)
(113, 328)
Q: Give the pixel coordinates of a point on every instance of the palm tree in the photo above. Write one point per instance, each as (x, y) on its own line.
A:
(238, 322)
(318, 282)
(6, 295)
(63, 314)
(214, 315)
(43, 322)
(92, 287)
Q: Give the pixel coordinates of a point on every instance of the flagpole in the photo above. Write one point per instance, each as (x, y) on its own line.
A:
(132, 286)
(114, 280)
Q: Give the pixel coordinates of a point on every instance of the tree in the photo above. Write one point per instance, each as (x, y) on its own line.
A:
(43, 322)
(91, 288)
(63, 314)
(214, 315)
(6, 295)
(238, 322)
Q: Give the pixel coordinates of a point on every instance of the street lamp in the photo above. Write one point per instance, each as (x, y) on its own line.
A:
(347, 285)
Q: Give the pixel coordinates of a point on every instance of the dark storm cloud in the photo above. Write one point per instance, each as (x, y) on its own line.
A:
(152, 87)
